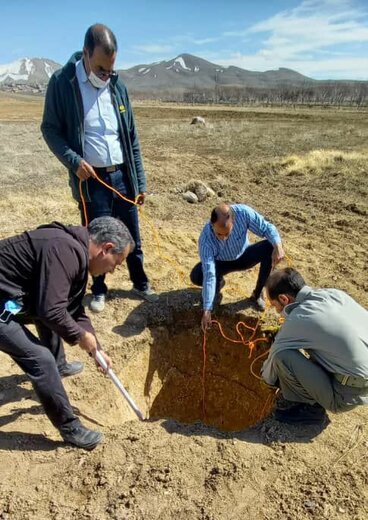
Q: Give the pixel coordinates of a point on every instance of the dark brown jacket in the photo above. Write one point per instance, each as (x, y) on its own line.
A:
(47, 269)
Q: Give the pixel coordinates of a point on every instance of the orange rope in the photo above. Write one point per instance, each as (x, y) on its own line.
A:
(250, 342)
(204, 376)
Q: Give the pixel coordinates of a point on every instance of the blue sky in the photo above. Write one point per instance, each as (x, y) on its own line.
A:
(319, 38)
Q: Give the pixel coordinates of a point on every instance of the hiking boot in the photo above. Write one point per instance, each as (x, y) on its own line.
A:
(301, 413)
(258, 302)
(147, 294)
(70, 369)
(81, 436)
(97, 303)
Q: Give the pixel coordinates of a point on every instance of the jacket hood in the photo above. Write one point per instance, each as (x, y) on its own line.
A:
(79, 233)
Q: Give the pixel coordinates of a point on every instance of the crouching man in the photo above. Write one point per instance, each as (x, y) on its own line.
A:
(43, 278)
(331, 371)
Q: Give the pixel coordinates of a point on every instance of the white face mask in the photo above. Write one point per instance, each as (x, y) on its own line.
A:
(96, 81)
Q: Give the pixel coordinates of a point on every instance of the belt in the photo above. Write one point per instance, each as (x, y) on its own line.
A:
(108, 169)
(354, 381)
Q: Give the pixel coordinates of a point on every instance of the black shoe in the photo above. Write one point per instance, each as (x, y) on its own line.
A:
(81, 437)
(285, 404)
(70, 369)
(258, 302)
(301, 413)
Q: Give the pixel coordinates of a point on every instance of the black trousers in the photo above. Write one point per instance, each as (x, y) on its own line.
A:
(104, 203)
(40, 360)
(258, 253)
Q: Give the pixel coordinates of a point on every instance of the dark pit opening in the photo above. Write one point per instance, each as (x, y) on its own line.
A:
(173, 386)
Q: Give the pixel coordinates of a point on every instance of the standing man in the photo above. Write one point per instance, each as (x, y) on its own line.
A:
(43, 278)
(224, 248)
(88, 124)
(332, 329)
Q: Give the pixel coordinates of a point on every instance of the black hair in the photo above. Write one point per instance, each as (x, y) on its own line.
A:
(98, 35)
(284, 281)
(215, 213)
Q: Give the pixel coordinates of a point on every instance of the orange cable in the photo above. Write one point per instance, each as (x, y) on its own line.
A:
(250, 343)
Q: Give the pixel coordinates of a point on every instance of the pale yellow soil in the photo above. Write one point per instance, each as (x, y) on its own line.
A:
(307, 171)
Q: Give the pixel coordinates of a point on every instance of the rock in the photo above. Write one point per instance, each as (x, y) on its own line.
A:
(310, 504)
(201, 192)
(191, 197)
(200, 189)
(198, 120)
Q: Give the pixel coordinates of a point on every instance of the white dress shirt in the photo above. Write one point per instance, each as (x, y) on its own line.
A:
(102, 145)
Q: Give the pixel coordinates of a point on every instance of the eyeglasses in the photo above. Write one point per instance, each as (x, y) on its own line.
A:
(104, 74)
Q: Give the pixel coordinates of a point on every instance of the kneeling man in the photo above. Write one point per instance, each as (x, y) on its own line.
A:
(224, 248)
(331, 370)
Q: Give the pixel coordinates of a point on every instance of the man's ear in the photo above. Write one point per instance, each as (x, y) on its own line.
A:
(283, 299)
(106, 247)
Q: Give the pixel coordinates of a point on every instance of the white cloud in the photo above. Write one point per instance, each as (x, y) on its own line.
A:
(154, 48)
(327, 68)
(314, 38)
(203, 41)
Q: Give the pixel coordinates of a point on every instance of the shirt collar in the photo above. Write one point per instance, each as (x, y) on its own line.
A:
(81, 72)
(300, 297)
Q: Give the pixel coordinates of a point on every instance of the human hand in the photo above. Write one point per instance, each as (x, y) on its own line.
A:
(85, 171)
(88, 343)
(278, 254)
(107, 360)
(206, 320)
(141, 198)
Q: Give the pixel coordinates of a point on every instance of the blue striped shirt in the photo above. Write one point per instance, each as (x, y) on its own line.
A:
(211, 248)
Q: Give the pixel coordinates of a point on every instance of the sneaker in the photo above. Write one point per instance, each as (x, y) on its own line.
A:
(301, 413)
(97, 303)
(71, 369)
(258, 302)
(81, 437)
(147, 294)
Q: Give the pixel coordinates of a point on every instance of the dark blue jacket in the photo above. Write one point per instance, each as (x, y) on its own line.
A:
(63, 125)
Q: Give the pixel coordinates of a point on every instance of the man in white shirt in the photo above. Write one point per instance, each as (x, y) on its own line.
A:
(89, 125)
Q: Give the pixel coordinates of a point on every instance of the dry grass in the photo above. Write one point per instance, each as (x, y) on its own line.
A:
(306, 170)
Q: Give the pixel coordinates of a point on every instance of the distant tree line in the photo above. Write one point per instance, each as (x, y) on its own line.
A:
(324, 93)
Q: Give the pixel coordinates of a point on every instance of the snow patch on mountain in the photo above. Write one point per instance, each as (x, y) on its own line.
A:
(49, 70)
(12, 71)
(181, 62)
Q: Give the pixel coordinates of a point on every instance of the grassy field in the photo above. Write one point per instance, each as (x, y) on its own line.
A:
(307, 171)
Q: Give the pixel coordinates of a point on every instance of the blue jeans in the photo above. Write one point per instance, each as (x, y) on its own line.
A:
(258, 253)
(106, 203)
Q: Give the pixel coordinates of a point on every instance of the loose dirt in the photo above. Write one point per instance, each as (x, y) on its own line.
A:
(224, 456)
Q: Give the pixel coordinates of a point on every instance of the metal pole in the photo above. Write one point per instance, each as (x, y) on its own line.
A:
(101, 361)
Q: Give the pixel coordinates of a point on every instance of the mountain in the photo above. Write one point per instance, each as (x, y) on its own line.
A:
(31, 72)
(188, 78)
(190, 72)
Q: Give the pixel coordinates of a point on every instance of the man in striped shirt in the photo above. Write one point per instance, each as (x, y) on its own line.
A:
(224, 248)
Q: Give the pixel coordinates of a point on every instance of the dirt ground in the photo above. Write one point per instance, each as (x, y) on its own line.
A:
(307, 171)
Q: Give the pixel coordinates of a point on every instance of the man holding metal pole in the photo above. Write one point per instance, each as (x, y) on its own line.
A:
(43, 278)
